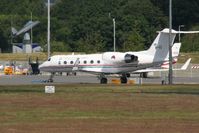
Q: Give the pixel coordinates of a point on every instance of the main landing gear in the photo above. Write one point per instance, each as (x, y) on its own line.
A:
(144, 75)
(123, 79)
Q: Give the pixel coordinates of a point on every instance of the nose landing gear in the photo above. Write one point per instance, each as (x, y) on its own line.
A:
(50, 80)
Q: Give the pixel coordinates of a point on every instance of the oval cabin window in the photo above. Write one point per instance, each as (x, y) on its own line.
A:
(92, 62)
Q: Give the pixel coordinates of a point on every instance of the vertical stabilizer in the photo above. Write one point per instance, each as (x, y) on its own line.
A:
(14, 31)
(160, 47)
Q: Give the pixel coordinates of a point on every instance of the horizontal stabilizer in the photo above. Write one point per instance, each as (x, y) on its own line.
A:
(187, 32)
(178, 32)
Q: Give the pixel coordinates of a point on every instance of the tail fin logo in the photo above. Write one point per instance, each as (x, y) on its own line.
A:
(113, 57)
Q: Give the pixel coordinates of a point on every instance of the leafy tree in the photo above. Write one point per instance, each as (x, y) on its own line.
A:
(87, 25)
(134, 42)
(190, 42)
(87, 16)
(59, 47)
(184, 11)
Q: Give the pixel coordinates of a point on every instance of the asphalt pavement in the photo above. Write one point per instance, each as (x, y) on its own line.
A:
(83, 79)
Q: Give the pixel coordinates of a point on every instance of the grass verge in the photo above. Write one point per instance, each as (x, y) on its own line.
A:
(100, 108)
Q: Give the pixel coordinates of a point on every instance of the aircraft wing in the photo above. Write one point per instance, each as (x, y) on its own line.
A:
(184, 67)
(27, 27)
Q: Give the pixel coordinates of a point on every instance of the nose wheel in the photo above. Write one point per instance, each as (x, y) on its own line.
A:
(50, 80)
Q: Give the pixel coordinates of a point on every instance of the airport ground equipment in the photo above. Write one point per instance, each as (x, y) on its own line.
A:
(34, 66)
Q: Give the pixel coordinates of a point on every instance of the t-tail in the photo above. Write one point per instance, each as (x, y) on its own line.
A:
(160, 47)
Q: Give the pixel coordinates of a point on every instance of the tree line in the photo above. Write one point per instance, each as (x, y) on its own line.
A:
(87, 25)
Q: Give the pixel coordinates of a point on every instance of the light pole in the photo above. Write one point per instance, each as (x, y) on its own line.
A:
(170, 45)
(179, 31)
(31, 29)
(114, 34)
(48, 36)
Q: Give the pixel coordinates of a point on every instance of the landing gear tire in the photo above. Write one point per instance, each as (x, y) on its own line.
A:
(123, 80)
(103, 81)
(128, 75)
(50, 81)
(144, 75)
(75, 73)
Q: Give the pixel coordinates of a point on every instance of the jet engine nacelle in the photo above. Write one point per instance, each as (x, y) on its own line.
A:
(129, 58)
(118, 57)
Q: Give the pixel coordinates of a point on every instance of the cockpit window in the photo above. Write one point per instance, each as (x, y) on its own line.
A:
(49, 59)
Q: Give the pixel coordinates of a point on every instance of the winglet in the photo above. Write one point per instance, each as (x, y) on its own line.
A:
(186, 64)
(14, 31)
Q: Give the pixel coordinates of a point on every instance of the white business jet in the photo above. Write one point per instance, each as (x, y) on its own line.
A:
(113, 62)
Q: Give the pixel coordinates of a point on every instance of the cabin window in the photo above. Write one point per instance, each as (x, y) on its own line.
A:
(98, 61)
(85, 62)
(71, 62)
(91, 61)
(49, 59)
(65, 62)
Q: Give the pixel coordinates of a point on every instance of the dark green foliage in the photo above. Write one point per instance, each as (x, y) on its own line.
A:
(185, 12)
(91, 28)
(191, 42)
(87, 25)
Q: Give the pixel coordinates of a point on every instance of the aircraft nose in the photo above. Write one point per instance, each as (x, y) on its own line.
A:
(41, 67)
(44, 67)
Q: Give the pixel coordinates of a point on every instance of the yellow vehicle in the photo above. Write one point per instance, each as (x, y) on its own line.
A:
(8, 70)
